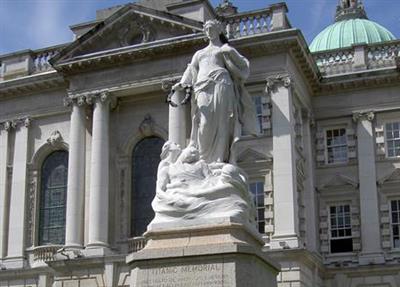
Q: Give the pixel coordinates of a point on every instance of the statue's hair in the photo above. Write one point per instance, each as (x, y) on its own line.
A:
(215, 23)
(220, 28)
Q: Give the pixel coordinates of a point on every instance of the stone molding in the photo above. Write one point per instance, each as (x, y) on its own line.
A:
(55, 139)
(279, 80)
(363, 116)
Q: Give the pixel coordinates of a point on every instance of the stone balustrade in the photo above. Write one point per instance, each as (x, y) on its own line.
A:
(136, 244)
(255, 22)
(358, 58)
(27, 62)
(383, 55)
(45, 253)
(335, 62)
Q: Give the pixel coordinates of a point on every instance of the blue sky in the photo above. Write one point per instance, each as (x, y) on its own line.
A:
(36, 24)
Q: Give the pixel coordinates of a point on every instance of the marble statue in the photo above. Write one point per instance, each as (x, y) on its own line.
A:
(202, 180)
(221, 108)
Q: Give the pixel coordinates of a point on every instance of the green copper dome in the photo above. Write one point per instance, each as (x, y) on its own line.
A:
(345, 33)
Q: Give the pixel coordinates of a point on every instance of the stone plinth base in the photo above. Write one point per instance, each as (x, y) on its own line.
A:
(213, 255)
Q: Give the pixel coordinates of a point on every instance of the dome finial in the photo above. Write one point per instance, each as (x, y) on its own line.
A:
(350, 9)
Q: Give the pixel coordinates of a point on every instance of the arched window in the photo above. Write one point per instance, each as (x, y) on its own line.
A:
(53, 198)
(145, 160)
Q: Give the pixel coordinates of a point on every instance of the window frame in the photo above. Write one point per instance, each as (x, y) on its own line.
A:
(262, 182)
(38, 201)
(132, 198)
(391, 223)
(336, 205)
(386, 139)
(260, 117)
(332, 128)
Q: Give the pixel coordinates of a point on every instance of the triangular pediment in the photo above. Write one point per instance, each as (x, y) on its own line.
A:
(131, 25)
(392, 177)
(251, 156)
(339, 181)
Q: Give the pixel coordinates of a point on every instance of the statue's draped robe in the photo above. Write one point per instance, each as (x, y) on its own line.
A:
(222, 110)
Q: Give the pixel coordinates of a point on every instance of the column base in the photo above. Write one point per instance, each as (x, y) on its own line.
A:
(17, 262)
(371, 258)
(291, 241)
(97, 250)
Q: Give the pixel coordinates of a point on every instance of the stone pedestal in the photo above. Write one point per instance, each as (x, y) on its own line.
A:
(224, 253)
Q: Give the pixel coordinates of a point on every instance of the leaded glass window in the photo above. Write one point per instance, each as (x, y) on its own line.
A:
(257, 189)
(145, 160)
(53, 198)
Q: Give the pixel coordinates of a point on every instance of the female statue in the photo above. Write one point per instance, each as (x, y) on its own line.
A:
(221, 108)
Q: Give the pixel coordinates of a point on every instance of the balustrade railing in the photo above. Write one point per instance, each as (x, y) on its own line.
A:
(335, 62)
(382, 56)
(136, 244)
(41, 59)
(257, 22)
(45, 253)
(358, 58)
(246, 24)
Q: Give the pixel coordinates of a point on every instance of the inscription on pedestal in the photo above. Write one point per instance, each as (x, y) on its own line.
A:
(199, 275)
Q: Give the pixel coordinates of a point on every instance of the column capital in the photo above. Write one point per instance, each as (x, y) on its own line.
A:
(75, 100)
(279, 80)
(18, 123)
(7, 126)
(363, 116)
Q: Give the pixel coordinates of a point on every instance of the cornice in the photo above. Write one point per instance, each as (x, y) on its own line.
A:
(359, 81)
(32, 84)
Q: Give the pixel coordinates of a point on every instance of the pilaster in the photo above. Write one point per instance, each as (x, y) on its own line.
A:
(310, 196)
(371, 252)
(286, 222)
(16, 232)
(4, 192)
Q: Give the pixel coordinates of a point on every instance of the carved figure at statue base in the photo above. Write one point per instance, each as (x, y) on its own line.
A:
(189, 188)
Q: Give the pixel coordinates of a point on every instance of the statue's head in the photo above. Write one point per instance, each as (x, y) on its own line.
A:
(213, 29)
(190, 155)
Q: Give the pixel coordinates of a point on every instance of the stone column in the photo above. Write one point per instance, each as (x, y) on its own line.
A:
(76, 177)
(177, 119)
(4, 192)
(286, 225)
(309, 192)
(99, 175)
(16, 232)
(369, 208)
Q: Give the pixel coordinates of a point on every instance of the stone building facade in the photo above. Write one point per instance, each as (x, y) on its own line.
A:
(82, 125)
